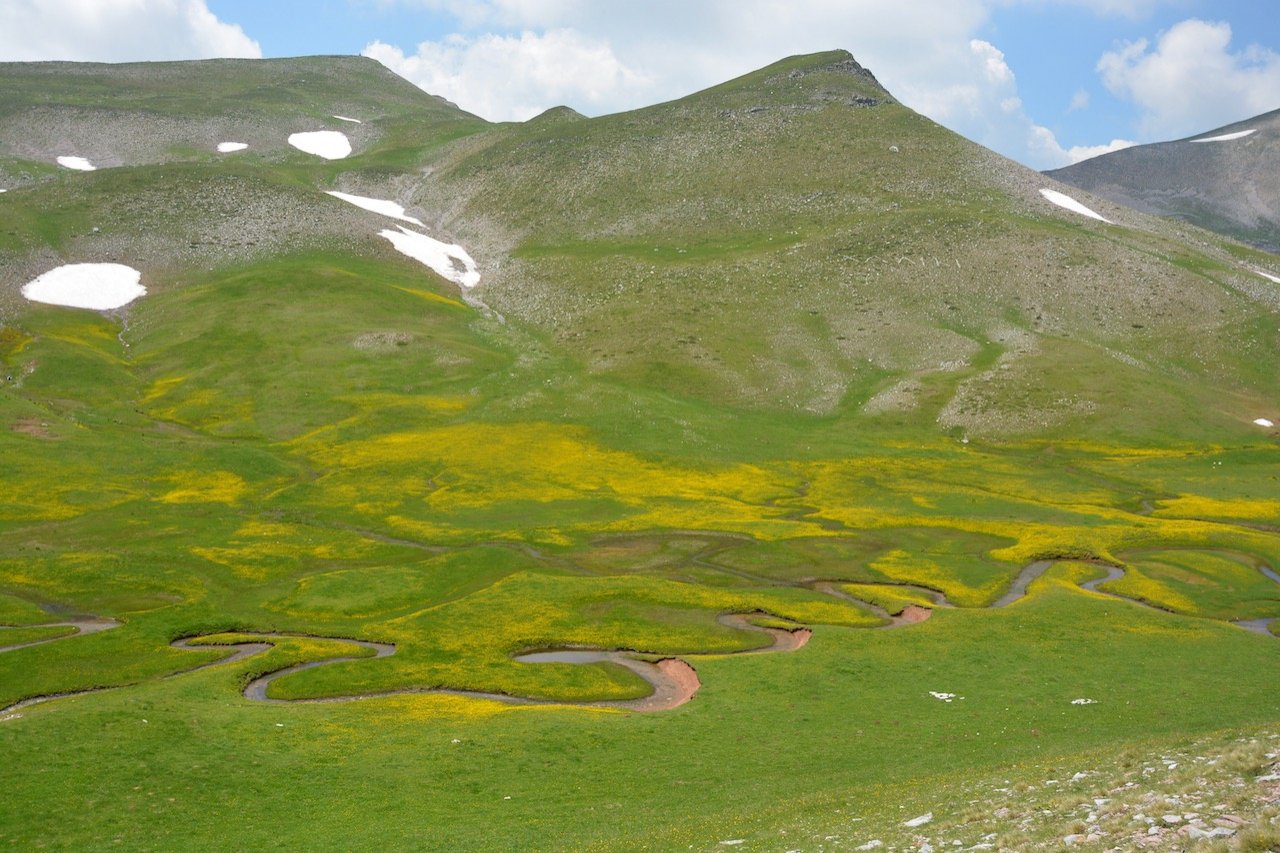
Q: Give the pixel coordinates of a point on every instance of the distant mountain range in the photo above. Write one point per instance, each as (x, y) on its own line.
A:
(1226, 180)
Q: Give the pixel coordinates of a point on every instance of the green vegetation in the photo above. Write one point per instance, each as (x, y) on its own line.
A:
(38, 634)
(893, 599)
(1222, 586)
(725, 349)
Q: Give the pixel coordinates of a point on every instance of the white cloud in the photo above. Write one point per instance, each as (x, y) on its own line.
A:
(513, 78)
(117, 31)
(981, 101)
(1191, 81)
(1079, 101)
(1083, 152)
(1045, 152)
(994, 68)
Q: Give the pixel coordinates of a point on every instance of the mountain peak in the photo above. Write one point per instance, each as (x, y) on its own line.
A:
(558, 114)
(807, 79)
(835, 61)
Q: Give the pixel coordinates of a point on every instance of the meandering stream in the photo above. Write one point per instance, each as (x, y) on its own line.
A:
(83, 624)
(673, 680)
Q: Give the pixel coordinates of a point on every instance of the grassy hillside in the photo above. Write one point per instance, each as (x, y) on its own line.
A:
(795, 240)
(153, 112)
(730, 355)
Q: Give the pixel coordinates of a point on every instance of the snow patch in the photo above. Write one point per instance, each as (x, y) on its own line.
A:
(377, 205)
(329, 144)
(100, 287)
(1084, 701)
(919, 821)
(945, 697)
(1227, 137)
(1264, 422)
(443, 258)
(1064, 200)
(1268, 275)
(352, 120)
(228, 147)
(80, 164)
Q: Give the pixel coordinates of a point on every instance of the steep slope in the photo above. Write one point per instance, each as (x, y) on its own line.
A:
(1226, 180)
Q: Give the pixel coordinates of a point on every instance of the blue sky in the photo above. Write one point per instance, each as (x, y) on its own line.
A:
(1054, 51)
(1042, 81)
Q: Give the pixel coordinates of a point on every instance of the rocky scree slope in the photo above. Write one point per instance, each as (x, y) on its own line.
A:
(1225, 180)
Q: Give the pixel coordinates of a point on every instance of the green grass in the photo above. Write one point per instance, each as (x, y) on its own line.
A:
(34, 634)
(893, 599)
(18, 613)
(854, 703)
(400, 496)
(1218, 585)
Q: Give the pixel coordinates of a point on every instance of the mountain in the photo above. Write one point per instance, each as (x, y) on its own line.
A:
(1226, 180)
(162, 112)
(794, 240)
(797, 240)
(432, 482)
(163, 194)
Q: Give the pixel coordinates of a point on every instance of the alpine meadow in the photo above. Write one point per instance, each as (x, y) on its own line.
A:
(768, 469)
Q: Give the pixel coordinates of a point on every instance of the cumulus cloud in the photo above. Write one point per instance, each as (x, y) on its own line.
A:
(117, 31)
(981, 101)
(513, 78)
(1191, 81)
(1076, 153)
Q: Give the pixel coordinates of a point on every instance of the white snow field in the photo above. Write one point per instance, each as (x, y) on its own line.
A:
(228, 147)
(1227, 137)
(329, 144)
(443, 258)
(1268, 276)
(80, 164)
(1263, 422)
(1064, 200)
(377, 205)
(97, 286)
(352, 120)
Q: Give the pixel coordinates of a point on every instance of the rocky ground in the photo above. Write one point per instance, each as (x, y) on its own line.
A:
(1211, 795)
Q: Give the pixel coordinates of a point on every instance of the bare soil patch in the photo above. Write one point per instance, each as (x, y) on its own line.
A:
(33, 427)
